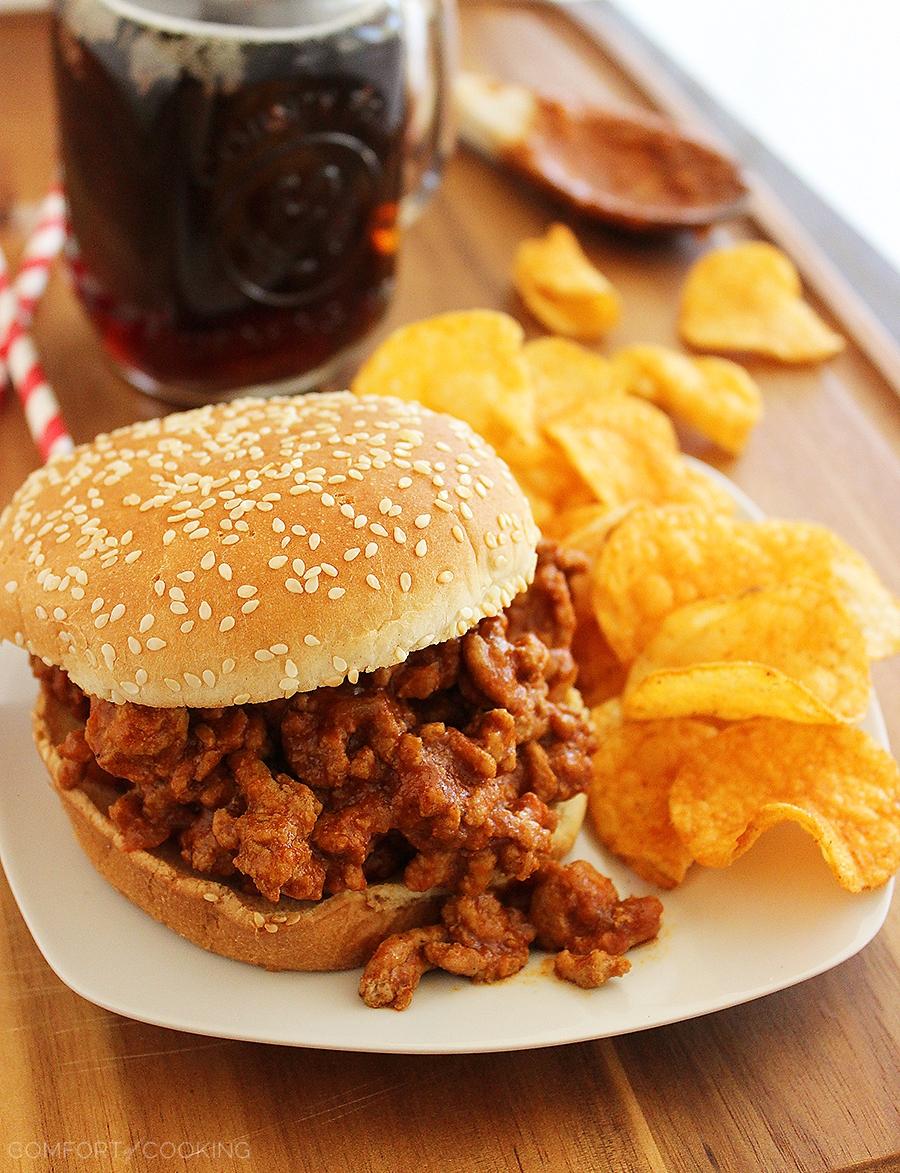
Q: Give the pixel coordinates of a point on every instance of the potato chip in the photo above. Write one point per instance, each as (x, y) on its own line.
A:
(834, 781)
(698, 487)
(633, 772)
(468, 364)
(566, 376)
(617, 469)
(732, 691)
(561, 287)
(808, 658)
(713, 395)
(747, 297)
(815, 552)
(545, 473)
(586, 527)
(659, 559)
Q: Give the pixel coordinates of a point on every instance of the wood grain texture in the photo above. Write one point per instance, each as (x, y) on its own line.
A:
(805, 1079)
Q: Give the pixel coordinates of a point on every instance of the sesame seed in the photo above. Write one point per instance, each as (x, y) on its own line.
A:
(340, 664)
(378, 529)
(228, 666)
(141, 676)
(336, 592)
(178, 608)
(277, 562)
(330, 570)
(191, 679)
(405, 582)
(129, 686)
(230, 540)
(177, 593)
(399, 535)
(371, 549)
(246, 592)
(155, 644)
(108, 652)
(258, 919)
(210, 897)
(360, 522)
(290, 669)
(347, 509)
(187, 627)
(208, 561)
(263, 655)
(186, 576)
(209, 677)
(295, 587)
(134, 645)
(117, 612)
(204, 610)
(96, 606)
(172, 684)
(314, 540)
(100, 622)
(421, 548)
(352, 553)
(423, 521)
(311, 641)
(250, 606)
(404, 482)
(466, 512)
(168, 537)
(242, 698)
(131, 558)
(225, 571)
(445, 576)
(373, 582)
(226, 623)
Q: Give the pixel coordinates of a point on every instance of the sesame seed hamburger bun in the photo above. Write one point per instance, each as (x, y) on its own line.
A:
(248, 551)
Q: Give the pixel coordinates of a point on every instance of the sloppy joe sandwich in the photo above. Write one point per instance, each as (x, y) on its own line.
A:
(307, 694)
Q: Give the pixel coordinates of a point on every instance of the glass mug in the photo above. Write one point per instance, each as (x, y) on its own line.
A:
(237, 172)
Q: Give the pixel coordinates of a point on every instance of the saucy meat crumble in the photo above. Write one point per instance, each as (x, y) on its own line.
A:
(442, 770)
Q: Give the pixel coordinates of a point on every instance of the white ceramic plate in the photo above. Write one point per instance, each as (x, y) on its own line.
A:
(774, 919)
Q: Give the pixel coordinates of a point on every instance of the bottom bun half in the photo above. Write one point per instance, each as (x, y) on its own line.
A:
(339, 932)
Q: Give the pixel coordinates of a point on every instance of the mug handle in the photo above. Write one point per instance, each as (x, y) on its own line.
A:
(431, 55)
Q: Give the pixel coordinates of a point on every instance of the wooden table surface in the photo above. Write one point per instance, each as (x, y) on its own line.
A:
(805, 1079)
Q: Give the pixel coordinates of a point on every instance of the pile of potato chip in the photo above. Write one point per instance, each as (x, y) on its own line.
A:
(725, 659)
(746, 649)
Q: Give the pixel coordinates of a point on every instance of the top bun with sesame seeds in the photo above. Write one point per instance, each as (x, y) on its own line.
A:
(248, 551)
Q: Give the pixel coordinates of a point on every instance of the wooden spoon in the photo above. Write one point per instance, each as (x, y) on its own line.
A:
(631, 169)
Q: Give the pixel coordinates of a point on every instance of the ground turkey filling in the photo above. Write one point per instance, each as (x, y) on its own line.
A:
(442, 769)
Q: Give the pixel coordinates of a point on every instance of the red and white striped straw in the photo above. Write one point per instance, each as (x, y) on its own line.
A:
(19, 296)
(42, 410)
(41, 250)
